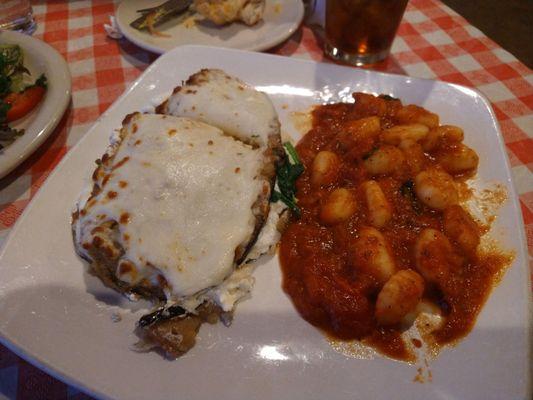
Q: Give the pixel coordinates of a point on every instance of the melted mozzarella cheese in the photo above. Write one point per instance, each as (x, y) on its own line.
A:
(237, 286)
(183, 200)
(214, 97)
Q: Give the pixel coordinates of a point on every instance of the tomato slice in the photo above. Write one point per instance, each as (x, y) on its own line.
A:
(22, 103)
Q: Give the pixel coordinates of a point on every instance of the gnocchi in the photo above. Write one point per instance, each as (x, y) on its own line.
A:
(399, 133)
(414, 155)
(399, 296)
(416, 114)
(435, 256)
(459, 159)
(444, 134)
(372, 255)
(379, 209)
(436, 189)
(363, 128)
(339, 206)
(325, 168)
(384, 160)
(461, 228)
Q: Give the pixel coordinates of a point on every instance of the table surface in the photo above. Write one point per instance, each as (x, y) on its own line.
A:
(433, 42)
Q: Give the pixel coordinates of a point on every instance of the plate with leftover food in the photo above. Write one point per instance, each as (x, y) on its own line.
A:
(34, 94)
(254, 25)
(400, 263)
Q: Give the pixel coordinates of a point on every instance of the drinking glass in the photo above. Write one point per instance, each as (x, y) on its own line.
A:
(17, 15)
(361, 32)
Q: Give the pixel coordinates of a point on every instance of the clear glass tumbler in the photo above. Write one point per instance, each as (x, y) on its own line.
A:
(361, 32)
(17, 15)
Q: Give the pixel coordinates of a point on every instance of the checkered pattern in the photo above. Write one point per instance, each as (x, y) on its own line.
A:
(433, 42)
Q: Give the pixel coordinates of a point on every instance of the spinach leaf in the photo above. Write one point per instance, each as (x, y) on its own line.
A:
(369, 154)
(408, 191)
(287, 174)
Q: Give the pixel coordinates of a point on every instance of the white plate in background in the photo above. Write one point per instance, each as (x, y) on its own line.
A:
(280, 20)
(59, 318)
(39, 58)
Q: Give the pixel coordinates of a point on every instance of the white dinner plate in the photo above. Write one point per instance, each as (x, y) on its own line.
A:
(39, 58)
(59, 318)
(281, 19)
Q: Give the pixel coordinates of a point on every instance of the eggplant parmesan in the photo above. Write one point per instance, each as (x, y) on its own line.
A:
(178, 202)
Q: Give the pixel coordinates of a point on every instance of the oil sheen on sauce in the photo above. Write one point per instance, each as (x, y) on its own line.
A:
(318, 267)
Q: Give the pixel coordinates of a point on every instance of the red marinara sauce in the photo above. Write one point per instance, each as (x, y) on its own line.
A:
(324, 273)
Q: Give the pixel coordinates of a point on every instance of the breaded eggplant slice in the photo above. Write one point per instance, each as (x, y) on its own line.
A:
(174, 330)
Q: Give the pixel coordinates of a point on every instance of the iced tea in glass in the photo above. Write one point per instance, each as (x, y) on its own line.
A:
(361, 32)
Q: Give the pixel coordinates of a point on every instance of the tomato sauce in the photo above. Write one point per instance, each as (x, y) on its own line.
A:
(319, 266)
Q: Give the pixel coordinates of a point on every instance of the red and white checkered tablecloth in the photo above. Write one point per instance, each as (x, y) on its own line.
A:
(433, 42)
